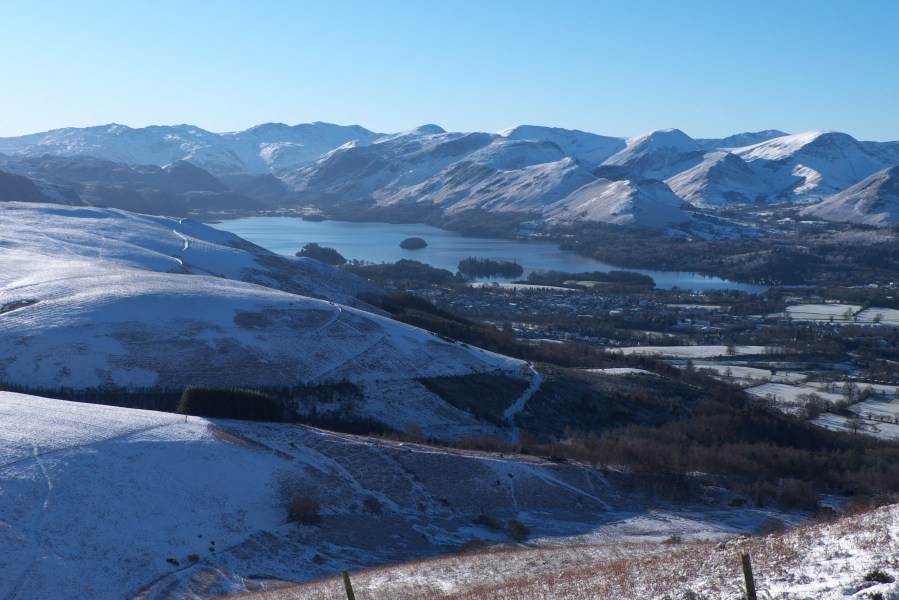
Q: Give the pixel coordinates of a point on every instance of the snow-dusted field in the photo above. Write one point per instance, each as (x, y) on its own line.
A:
(787, 396)
(842, 313)
(884, 316)
(878, 389)
(519, 286)
(621, 371)
(823, 312)
(854, 557)
(95, 500)
(877, 416)
(883, 430)
(749, 374)
(690, 351)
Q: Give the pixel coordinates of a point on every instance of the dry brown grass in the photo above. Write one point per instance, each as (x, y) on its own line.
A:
(623, 571)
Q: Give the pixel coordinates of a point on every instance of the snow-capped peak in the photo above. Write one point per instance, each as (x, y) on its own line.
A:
(812, 164)
(589, 148)
(655, 155)
(668, 138)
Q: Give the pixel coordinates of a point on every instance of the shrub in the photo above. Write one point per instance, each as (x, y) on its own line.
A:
(879, 576)
(304, 510)
(491, 523)
(473, 545)
(373, 505)
(517, 530)
(798, 494)
(229, 403)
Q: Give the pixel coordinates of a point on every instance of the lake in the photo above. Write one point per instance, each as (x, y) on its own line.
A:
(380, 242)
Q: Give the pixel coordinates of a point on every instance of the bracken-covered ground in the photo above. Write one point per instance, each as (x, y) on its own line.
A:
(854, 557)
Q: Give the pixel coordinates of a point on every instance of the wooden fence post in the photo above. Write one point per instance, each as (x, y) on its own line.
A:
(349, 586)
(747, 575)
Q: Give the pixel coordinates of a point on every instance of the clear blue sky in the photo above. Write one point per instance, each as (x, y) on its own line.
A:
(624, 67)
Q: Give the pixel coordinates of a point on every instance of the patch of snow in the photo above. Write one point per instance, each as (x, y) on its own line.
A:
(621, 371)
(691, 351)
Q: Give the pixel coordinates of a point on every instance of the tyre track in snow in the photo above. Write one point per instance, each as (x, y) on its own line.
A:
(35, 528)
(36, 525)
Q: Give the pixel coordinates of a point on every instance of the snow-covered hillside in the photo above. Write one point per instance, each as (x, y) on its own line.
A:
(655, 155)
(104, 299)
(872, 201)
(721, 179)
(39, 237)
(15, 187)
(393, 163)
(473, 184)
(647, 203)
(589, 148)
(101, 502)
(85, 327)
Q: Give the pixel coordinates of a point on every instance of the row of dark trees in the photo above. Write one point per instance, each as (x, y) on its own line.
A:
(486, 267)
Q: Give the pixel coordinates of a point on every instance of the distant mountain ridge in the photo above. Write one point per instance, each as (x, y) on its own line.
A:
(258, 150)
(528, 172)
(740, 140)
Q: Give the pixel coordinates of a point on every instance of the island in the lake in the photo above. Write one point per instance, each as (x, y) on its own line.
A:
(413, 243)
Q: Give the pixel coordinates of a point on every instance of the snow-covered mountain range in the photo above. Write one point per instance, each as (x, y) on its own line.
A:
(260, 149)
(535, 172)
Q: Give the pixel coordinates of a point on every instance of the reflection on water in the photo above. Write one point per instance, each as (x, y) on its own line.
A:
(380, 242)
